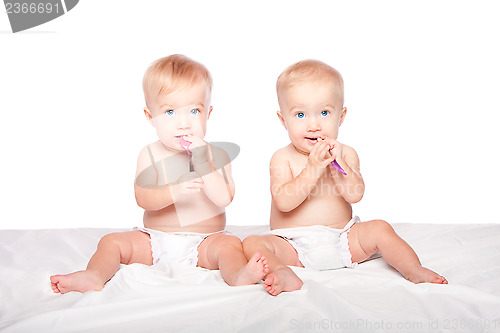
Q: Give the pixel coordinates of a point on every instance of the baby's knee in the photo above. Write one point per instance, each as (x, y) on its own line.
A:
(251, 240)
(109, 239)
(231, 241)
(382, 227)
(255, 242)
(118, 240)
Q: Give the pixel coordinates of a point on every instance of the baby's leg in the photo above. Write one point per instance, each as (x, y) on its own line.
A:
(225, 252)
(279, 253)
(368, 238)
(112, 250)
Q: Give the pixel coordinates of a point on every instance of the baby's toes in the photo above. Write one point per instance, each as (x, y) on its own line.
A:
(271, 279)
(55, 289)
(441, 280)
(271, 290)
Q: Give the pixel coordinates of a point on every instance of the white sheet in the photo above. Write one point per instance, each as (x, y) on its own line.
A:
(167, 298)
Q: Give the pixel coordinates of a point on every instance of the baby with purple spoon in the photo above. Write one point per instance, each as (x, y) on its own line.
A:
(314, 181)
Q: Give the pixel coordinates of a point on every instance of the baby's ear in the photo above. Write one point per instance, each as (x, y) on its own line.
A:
(210, 112)
(147, 113)
(342, 115)
(281, 119)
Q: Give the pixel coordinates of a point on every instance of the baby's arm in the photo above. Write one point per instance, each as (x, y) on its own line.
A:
(218, 184)
(289, 192)
(352, 186)
(218, 189)
(151, 196)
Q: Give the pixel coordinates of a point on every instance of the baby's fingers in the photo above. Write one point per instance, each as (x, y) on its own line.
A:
(196, 183)
(321, 154)
(318, 149)
(195, 141)
(325, 151)
(330, 160)
(193, 187)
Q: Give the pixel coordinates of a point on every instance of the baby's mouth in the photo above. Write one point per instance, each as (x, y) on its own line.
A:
(312, 140)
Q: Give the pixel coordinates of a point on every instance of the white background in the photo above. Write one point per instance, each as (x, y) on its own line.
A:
(422, 85)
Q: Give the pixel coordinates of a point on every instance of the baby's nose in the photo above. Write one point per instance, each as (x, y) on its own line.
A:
(313, 124)
(183, 122)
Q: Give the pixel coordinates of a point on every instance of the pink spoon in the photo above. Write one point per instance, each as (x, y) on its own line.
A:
(185, 144)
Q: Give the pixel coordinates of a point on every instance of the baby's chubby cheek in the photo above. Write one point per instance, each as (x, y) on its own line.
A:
(163, 134)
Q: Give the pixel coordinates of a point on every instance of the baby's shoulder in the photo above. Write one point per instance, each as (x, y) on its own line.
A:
(152, 152)
(219, 150)
(283, 155)
(348, 149)
(147, 152)
(158, 150)
(349, 152)
(222, 153)
(144, 160)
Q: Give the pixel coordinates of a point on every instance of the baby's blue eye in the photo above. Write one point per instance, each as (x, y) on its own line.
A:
(170, 112)
(300, 115)
(325, 113)
(195, 111)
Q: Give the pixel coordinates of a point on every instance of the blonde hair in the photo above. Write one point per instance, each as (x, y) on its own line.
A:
(309, 70)
(171, 73)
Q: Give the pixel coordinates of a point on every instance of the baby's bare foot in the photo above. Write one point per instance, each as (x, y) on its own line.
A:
(253, 271)
(422, 274)
(81, 281)
(282, 279)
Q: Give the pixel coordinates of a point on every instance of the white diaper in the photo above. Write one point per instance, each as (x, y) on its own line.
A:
(181, 247)
(320, 247)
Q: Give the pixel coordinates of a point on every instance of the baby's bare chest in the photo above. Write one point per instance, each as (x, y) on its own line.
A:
(323, 193)
(172, 168)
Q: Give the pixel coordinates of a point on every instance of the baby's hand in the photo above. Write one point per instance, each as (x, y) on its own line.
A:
(335, 148)
(320, 158)
(195, 142)
(199, 149)
(189, 183)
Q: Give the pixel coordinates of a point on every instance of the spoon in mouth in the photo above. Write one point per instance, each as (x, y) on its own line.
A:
(185, 144)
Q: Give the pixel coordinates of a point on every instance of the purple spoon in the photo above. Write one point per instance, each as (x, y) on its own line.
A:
(337, 167)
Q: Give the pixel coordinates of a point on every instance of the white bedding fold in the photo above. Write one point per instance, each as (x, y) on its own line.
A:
(171, 297)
